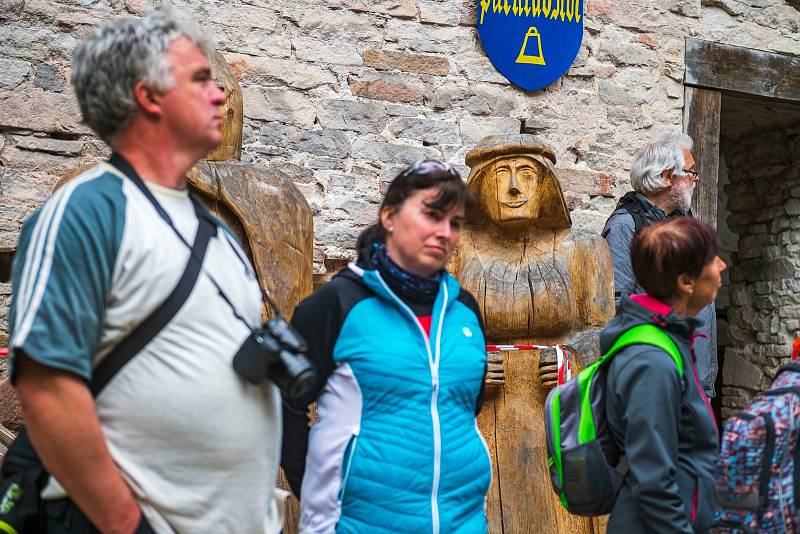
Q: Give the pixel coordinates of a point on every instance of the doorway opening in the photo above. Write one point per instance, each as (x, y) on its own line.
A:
(742, 109)
(758, 220)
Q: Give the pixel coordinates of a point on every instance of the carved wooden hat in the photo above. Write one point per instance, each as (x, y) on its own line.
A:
(490, 149)
(495, 146)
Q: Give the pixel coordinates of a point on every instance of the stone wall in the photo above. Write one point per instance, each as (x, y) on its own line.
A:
(342, 94)
(764, 293)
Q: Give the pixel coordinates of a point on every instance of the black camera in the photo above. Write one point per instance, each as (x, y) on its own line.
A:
(276, 352)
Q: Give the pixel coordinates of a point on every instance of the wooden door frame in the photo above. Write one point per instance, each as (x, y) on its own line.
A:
(712, 70)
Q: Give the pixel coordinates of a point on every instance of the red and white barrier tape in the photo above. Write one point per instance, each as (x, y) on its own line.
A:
(564, 366)
(3, 353)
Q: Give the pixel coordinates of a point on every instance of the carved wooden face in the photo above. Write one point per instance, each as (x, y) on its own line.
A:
(510, 189)
(232, 111)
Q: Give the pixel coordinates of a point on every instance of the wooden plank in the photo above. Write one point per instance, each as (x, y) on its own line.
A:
(701, 120)
(737, 69)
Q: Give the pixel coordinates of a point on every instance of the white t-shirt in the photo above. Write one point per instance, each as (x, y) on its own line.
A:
(198, 446)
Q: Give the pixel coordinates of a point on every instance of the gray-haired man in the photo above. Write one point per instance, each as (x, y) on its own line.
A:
(177, 439)
(663, 177)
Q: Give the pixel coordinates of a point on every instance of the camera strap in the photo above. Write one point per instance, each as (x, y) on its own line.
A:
(148, 329)
(202, 214)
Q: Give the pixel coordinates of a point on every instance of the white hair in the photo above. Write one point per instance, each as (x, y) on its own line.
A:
(663, 154)
(119, 54)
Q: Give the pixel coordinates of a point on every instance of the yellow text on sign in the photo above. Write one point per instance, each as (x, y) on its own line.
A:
(565, 10)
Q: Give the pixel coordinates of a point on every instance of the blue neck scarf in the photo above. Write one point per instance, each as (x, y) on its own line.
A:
(410, 287)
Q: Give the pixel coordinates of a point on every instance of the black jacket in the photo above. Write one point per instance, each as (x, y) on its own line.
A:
(663, 424)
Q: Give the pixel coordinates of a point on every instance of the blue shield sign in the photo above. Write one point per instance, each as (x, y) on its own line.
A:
(531, 42)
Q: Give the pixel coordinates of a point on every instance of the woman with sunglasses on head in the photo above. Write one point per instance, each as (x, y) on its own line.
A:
(401, 358)
(659, 416)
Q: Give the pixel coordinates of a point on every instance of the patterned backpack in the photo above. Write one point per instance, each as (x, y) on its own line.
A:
(758, 470)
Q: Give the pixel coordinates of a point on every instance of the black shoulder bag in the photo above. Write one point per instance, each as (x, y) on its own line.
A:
(22, 475)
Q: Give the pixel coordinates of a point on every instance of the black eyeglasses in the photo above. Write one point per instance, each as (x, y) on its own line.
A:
(429, 166)
(693, 174)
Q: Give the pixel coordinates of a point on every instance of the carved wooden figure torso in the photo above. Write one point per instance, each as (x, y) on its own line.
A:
(537, 282)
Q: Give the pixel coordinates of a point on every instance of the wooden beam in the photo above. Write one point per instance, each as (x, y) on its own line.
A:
(701, 121)
(737, 69)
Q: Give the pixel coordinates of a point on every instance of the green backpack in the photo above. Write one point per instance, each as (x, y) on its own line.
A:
(586, 469)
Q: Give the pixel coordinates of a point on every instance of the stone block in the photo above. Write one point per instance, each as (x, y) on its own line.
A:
(621, 52)
(266, 71)
(322, 142)
(395, 8)
(792, 206)
(447, 40)
(740, 295)
(239, 16)
(477, 99)
(337, 53)
(429, 131)
(474, 129)
(767, 215)
(586, 182)
(47, 144)
(444, 12)
(477, 67)
(588, 220)
(48, 77)
(34, 45)
(775, 269)
(737, 371)
(257, 44)
(406, 61)
(41, 111)
(628, 87)
(687, 8)
(390, 87)
(340, 26)
(362, 117)
(376, 150)
(14, 73)
(296, 173)
(282, 105)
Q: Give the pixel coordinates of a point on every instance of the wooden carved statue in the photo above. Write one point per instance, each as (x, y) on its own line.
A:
(538, 282)
(264, 209)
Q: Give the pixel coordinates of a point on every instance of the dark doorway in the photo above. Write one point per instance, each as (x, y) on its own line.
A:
(743, 111)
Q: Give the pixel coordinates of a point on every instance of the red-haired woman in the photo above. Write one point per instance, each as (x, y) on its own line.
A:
(659, 416)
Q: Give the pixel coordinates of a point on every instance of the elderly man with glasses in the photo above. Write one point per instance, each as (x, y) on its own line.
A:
(663, 177)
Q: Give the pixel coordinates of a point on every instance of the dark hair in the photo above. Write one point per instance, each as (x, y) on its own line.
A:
(452, 192)
(663, 251)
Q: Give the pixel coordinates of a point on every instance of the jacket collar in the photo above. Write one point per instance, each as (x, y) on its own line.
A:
(644, 309)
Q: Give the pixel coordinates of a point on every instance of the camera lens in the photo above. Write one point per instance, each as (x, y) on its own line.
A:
(299, 376)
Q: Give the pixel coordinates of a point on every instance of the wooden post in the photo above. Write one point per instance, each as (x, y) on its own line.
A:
(701, 121)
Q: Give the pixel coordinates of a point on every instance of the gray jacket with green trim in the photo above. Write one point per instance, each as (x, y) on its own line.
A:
(662, 423)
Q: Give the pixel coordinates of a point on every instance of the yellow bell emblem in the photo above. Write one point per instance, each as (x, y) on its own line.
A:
(531, 59)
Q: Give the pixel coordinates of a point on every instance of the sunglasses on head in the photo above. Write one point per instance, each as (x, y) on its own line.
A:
(429, 166)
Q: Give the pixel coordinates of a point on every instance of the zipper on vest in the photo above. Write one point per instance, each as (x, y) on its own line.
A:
(433, 362)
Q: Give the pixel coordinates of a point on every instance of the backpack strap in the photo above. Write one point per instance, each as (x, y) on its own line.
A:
(791, 367)
(643, 334)
(630, 203)
(646, 334)
(148, 329)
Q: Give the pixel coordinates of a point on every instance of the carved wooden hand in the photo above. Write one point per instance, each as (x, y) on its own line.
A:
(548, 365)
(495, 372)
